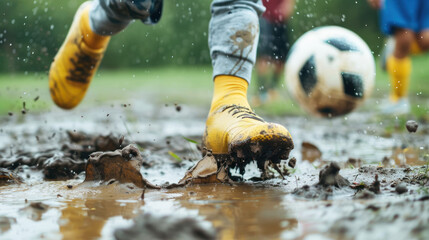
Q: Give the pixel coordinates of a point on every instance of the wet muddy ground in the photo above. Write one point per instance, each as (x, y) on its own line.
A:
(376, 189)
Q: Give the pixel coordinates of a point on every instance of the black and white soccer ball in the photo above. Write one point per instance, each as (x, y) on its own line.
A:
(330, 71)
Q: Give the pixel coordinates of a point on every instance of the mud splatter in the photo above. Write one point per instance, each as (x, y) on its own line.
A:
(243, 39)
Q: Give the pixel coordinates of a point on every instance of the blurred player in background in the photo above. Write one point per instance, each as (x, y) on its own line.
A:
(273, 47)
(408, 23)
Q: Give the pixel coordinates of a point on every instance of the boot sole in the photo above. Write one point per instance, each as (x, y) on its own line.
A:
(260, 149)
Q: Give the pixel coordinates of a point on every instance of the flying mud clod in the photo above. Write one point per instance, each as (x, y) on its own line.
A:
(412, 126)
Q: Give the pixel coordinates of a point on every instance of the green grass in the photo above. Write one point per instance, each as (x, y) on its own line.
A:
(183, 85)
(190, 85)
(15, 89)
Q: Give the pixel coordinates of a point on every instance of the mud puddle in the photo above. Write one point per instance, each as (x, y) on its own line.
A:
(43, 159)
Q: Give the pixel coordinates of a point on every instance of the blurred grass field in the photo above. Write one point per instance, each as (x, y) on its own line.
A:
(184, 85)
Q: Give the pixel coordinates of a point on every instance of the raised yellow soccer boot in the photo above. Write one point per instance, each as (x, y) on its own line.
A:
(77, 61)
(233, 129)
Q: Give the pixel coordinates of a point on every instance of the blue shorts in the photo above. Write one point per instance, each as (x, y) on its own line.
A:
(408, 14)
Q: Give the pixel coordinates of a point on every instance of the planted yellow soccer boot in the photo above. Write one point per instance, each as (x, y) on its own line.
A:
(76, 61)
(233, 129)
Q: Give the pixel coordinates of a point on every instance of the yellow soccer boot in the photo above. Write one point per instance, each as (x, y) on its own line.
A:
(76, 61)
(233, 129)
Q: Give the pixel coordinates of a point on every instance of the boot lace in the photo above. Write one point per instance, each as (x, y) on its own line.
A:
(242, 112)
(83, 65)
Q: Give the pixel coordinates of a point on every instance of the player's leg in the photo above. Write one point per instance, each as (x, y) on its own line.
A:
(232, 127)
(264, 60)
(389, 47)
(82, 51)
(281, 51)
(263, 69)
(278, 71)
(423, 40)
(399, 64)
(423, 28)
(399, 19)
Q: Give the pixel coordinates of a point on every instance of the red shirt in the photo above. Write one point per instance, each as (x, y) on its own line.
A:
(275, 10)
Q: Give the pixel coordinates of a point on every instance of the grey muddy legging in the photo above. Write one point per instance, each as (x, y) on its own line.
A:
(233, 28)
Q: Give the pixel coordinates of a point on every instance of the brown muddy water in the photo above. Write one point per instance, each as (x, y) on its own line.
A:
(43, 195)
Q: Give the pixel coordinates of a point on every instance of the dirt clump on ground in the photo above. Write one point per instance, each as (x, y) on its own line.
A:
(121, 165)
(364, 194)
(62, 164)
(329, 178)
(6, 223)
(147, 226)
(207, 170)
(401, 188)
(35, 210)
(375, 186)
(82, 145)
(355, 162)
(8, 177)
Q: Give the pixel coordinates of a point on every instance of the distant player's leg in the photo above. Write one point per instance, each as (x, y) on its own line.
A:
(263, 68)
(264, 60)
(423, 40)
(82, 51)
(232, 127)
(281, 51)
(423, 28)
(399, 18)
(415, 49)
(399, 64)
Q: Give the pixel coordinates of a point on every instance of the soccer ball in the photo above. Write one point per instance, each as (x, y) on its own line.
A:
(330, 71)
